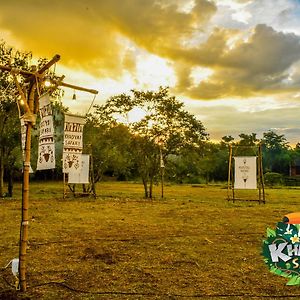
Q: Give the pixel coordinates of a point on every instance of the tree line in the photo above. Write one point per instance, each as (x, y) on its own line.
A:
(165, 136)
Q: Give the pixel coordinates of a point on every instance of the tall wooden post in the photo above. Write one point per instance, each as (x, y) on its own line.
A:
(262, 183)
(162, 169)
(29, 122)
(229, 173)
(29, 119)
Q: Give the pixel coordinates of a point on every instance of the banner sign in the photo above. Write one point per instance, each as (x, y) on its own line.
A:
(281, 249)
(73, 144)
(23, 141)
(23, 137)
(46, 151)
(82, 174)
(245, 172)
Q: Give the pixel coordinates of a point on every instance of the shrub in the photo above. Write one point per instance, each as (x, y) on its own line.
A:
(272, 178)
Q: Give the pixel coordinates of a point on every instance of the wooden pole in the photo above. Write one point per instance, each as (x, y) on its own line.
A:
(262, 173)
(162, 169)
(92, 171)
(25, 195)
(162, 181)
(229, 173)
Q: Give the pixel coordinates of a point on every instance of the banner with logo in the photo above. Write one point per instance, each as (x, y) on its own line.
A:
(281, 248)
(46, 151)
(245, 172)
(82, 174)
(73, 144)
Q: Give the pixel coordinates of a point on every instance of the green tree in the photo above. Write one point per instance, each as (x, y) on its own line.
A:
(11, 108)
(276, 152)
(109, 146)
(164, 128)
(10, 140)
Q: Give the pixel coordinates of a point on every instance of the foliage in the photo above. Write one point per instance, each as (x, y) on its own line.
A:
(276, 153)
(12, 107)
(10, 150)
(110, 148)
(164, 129)
(272, 178)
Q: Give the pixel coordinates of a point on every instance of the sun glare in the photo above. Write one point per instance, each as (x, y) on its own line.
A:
(199, 74)
(153, 72)
(136, 114)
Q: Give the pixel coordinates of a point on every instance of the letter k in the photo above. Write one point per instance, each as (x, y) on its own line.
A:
(277, 253)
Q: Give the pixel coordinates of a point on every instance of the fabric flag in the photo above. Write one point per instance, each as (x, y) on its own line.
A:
(73, 130)
(23, 137)
(46, 152)
(245, 172)
(23, 141)
(82, 174)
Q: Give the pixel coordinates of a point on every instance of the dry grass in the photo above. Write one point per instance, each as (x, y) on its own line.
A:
(191, 244)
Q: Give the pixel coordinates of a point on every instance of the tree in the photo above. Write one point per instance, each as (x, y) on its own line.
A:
(109, 146)
(11, 109)
(165, 127)
(10, 140)
(275, 152)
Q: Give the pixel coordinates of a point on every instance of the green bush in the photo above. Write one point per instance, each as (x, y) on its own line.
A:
(272, 178)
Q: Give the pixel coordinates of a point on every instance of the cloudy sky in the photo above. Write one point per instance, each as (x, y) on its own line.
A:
(234, 63)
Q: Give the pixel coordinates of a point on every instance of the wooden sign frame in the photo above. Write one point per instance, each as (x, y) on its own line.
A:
(231, 191)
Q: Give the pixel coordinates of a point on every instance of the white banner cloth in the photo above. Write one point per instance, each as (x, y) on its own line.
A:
(81, 175)
(245, 172)
(73, 130)
(46, 152)
(23, 141)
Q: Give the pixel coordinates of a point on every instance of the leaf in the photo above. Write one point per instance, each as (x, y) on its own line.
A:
(295, 280)
(271, 232)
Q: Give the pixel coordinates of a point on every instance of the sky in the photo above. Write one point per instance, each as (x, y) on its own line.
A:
(234, 63)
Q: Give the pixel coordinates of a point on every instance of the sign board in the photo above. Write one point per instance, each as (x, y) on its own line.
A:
(46, 151)
(82, 174)
(245, 175)
(73, 144)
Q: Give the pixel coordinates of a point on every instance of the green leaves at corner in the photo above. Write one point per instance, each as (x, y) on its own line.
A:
(271, 232)
(295, 280)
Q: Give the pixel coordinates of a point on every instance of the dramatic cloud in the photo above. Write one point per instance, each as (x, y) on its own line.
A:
(216, 50)
(224, 119)
(90, 34)
(258, 65)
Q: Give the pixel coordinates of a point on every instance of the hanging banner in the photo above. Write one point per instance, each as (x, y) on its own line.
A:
(46, 152)
(82, 174)
(73, 144)
(23, 141)
(23, 137)
(245, 172)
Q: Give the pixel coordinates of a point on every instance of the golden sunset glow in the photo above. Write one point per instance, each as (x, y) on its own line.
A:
(234, 63)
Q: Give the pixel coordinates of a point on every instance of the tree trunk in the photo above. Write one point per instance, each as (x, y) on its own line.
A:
(151, 187)
(1, 173)
(10, 182)
(145, 183)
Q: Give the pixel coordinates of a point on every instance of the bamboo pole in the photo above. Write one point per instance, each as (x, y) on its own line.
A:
(262, 174)
(229, 173)
(25, 197)
(92, 177)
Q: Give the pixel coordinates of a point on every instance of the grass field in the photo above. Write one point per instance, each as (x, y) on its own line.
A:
(191, 244)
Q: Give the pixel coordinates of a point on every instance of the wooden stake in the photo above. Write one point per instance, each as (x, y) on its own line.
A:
(229, 173)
